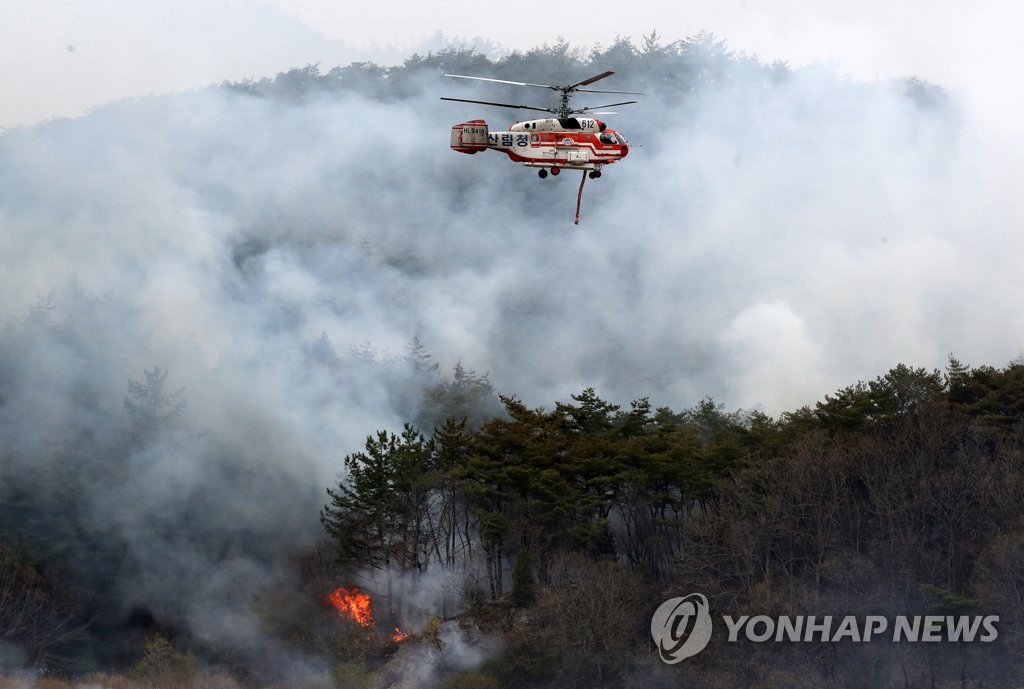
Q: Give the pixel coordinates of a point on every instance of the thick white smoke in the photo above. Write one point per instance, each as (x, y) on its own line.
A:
(769, 242)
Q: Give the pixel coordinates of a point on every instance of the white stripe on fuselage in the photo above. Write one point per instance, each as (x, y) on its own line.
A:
(546, 151)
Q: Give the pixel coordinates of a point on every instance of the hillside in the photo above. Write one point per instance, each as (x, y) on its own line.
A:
(211, 299)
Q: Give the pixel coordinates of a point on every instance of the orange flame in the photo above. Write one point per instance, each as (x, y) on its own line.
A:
(399, 635)
(353, 604)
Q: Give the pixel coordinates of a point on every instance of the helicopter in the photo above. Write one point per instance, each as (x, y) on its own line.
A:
(571, 140)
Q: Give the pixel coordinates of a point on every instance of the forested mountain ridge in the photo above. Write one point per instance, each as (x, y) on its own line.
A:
(897, 496)
(243, 282)
(672, 70)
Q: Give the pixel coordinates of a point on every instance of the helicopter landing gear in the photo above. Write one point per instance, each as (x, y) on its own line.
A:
(542, 173)
(594, 174)
(555, 170)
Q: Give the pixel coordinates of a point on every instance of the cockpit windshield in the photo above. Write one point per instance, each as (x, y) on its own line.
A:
(608, 138)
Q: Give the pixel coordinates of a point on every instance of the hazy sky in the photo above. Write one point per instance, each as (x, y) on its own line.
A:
(60, 57)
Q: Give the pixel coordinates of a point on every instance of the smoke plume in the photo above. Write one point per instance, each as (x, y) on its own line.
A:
(209, 296)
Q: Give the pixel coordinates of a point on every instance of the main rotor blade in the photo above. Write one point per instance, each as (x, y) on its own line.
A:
(591, 80)
(503, 81)
(609, 105)
(628, 93)
(498, 105)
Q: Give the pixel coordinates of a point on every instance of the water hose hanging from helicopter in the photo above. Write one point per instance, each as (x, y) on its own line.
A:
(579, 198)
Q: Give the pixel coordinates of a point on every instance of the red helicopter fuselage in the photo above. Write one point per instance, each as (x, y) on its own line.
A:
(575, 143)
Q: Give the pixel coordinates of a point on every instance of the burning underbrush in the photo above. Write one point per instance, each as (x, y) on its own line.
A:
(341, 637)
(399, 656)
(355, 605)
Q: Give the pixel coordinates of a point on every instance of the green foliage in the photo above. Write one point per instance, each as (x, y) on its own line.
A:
(377, 513)
(591, 415)
(523, 593)
(899, 392)
(996, 396)
(587, 476)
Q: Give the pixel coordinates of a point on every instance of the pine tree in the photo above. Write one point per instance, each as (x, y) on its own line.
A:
(523, 594)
